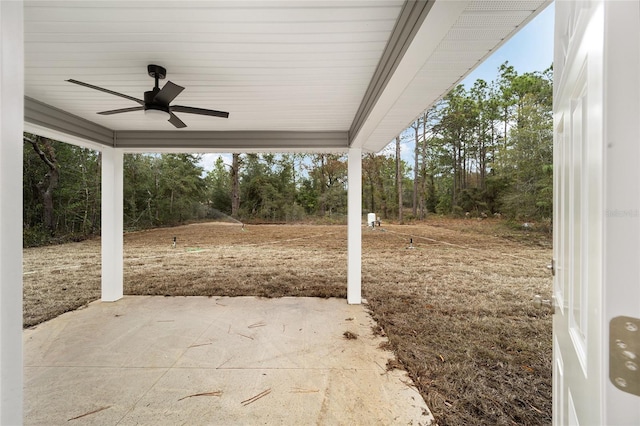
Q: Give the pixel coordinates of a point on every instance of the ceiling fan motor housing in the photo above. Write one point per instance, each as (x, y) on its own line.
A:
(149, 101)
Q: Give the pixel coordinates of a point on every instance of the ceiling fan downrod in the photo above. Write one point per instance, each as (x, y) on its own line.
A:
(157, 72)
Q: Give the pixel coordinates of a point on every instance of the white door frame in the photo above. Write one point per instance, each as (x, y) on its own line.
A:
(621, 293)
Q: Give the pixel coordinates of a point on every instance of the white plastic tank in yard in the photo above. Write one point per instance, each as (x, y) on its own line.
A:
(371, 219)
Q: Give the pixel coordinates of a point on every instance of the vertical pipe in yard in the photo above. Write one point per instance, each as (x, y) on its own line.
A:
(354, 225)
(11, 128)
(112, 224)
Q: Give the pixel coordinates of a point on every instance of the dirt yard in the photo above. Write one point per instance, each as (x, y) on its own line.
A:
(455, 304)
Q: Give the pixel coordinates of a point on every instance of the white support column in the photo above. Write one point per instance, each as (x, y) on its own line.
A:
(354, 225)
(112, 224)
(11, 125)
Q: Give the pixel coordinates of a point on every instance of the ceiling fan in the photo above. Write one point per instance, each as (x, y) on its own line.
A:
(156, 101)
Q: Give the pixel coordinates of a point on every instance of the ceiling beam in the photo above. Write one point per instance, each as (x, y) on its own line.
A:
(45, 116)
(234, 141)
(409, 22)
(52, 122)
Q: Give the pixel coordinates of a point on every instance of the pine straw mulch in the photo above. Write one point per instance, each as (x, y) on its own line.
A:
(455, 305)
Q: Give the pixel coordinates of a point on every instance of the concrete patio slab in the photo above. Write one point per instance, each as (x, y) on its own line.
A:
(214, 361)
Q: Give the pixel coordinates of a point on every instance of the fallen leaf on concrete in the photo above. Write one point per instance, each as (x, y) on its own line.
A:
(244, 335)
(201, 344)
(255, 398)
(213, 393)
(89, 413)
(302, 390)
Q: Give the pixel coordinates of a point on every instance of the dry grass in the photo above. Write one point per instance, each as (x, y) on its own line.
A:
(263, 260)
(58, 279)
(456, 307)
(462, 323)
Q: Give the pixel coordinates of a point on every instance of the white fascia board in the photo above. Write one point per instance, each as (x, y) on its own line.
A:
(232, 141)
(441, 18)
(57, 135)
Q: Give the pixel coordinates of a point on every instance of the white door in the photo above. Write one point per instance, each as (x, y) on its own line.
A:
(596, 374)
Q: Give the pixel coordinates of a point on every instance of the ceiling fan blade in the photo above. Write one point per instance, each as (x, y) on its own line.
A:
(173, 119)
(118, 111)
(111, 92)
(201, 111)
(168, 93)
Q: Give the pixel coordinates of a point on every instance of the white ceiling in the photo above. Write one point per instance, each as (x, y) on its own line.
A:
(274, 65)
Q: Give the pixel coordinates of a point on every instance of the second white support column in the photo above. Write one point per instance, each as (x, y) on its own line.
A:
(112, 224)
(354, 225)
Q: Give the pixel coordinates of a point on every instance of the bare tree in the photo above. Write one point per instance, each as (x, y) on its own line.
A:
(399, 179)
(50, 180)
(416, 157)
(235, 184)
(423, 166)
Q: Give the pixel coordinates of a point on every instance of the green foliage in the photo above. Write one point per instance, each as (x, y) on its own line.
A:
(530, 161)
(307, 196)
(158, 190)
(269, 191)
(491, 147)
(181, 188)
(481, 150)
(138, 187)
(35, 235)
(164, 189)
(379, 184)
(218, 184)
(75, 191)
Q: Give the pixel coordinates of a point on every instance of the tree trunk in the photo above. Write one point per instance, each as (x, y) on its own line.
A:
(373, 202)
(506, 124)
(87, 199)
(384, 208)
(235, 185)
(97, 204)
(323, 185)
(370, 171)
(416, 156)
(50, 180)
(133, 181)
(483, 162)
(423, 169)
(456, 173)
(399, 180)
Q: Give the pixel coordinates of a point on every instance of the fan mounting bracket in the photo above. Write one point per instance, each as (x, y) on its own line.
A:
(156, 71)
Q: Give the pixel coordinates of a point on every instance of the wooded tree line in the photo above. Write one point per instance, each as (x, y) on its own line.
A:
(483, 150)
(488, 149)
